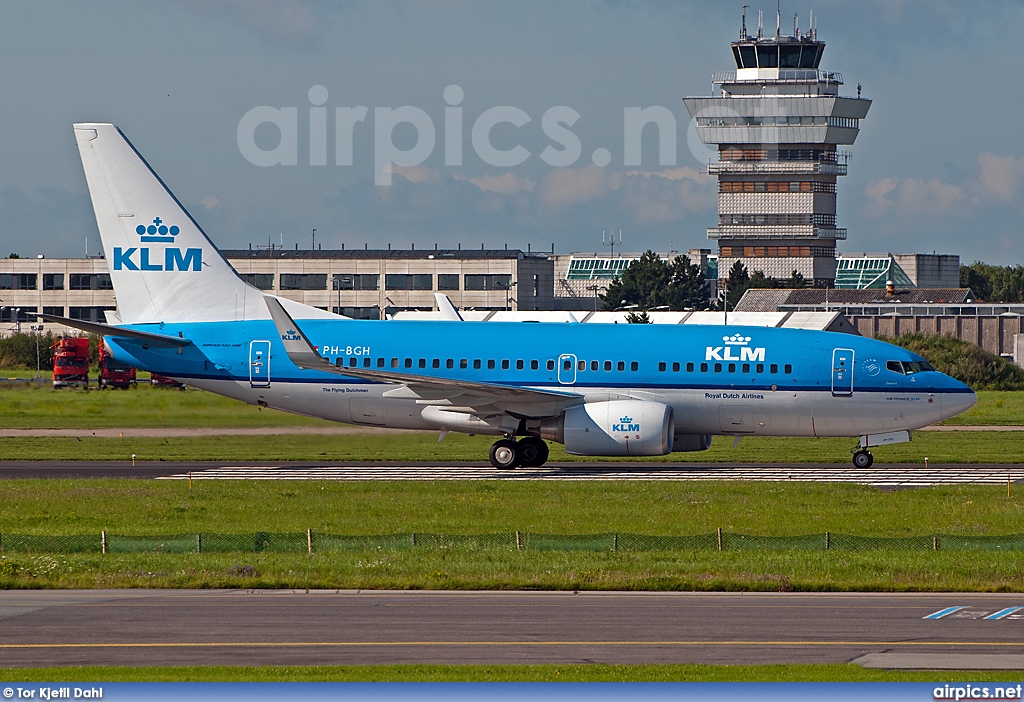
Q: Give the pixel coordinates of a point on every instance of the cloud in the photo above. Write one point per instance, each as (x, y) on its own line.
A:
(417, 174)
(999, 176)
(287, 20)
(565, 187)
(914, 196)
(211, 202)
(507, 183)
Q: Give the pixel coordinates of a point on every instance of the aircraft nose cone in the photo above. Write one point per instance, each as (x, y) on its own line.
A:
(953, 403)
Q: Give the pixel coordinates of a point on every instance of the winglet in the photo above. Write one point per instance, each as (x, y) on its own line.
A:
(299, 348)
(447, 309)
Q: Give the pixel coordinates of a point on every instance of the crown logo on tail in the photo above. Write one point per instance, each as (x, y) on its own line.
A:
(157, 232)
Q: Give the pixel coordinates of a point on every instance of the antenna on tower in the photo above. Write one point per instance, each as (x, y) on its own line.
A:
(796, 26)
(778, 19)
(743, 26)
(760, 22)
(610, 242)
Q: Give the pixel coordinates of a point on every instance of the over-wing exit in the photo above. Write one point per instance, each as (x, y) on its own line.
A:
(600, 390)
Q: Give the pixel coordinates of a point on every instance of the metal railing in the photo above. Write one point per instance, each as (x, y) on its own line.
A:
(786, 75)
(318, 542)
(780, 167)
(796, 231)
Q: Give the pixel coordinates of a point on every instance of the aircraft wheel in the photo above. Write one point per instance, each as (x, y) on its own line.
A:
(533, 452)
(504, 454)
(863, 459)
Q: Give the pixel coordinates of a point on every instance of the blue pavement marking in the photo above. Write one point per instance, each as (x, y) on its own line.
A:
(943, 612)
(1003, 612)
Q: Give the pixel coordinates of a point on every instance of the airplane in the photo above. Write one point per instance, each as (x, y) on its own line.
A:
(597, 389)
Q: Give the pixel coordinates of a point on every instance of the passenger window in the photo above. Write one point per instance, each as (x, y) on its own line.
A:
(436, 363)
(760, 368)
(718, 367)
(550, 365)
(607, 365)
(464, 363)
(661, 366)
(423, 363)
(732, 367)
(703, 367)
(689, 367)
(621, 365)
(394, 363)
(581, 365)
(675, 367)
(339, 361)
(476, 363)
(534, 365)
(504, 364)
(490, 364)
(773, 368)
(449, 363)
(408, 363)
(634, 366)
(746, 368)
(595, 365)
(787, 369)
(353, 362)
(366, 362)
(380, 362)
(519, 364)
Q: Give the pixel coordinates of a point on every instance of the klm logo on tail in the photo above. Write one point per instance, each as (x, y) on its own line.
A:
(141, 258)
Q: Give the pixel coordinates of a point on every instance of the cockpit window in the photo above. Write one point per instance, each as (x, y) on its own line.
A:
(908, 367)
(916, 367)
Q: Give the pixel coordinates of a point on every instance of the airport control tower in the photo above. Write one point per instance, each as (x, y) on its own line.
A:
(777, 123)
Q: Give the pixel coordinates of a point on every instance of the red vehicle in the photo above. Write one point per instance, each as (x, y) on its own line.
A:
(113, 374)
(71, 362)
(162, 381)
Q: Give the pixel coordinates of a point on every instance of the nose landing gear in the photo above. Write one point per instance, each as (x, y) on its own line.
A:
(529, 452)
(863, 458)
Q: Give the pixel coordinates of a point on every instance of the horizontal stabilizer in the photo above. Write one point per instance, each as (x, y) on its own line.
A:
(116, 332)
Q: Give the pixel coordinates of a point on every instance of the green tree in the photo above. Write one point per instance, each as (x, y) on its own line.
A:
(652, 282)
(14, 255)
(639, 317)
(795, 280)
(994, 283)
(736, 284)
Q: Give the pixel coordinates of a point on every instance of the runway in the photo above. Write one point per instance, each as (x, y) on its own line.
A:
(169, 627)
(880, 475)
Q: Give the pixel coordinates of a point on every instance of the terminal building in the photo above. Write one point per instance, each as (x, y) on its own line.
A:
(777, 123)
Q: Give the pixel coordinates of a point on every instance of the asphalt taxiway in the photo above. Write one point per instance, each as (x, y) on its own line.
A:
(881, 475)
(173, 627)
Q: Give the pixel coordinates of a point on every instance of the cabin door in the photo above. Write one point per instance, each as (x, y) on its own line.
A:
(567, 369)
(842, 372)
(259, 364)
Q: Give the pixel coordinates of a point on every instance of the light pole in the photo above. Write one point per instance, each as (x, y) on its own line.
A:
(38, 329)
(594, 288)
(314, 241)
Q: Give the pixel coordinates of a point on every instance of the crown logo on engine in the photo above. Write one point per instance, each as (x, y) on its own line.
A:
(157, 232)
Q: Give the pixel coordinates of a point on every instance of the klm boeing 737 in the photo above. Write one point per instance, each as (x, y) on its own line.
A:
(600, 390)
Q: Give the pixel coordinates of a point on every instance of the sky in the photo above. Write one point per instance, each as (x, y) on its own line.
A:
(249, 111)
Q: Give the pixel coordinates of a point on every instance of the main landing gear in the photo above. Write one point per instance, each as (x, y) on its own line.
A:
(529, 452)
(863, 458)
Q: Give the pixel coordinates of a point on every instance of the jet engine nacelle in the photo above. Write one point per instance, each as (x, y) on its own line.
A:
(614, 428)
(691, 442)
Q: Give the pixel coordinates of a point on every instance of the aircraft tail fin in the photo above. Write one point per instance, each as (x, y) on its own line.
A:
(163, 266)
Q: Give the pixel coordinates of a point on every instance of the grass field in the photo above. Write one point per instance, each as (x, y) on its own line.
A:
(939, 447)
(507, 673)
(24, 406)
(134, 507)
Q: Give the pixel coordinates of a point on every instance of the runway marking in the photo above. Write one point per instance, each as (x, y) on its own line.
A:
(1003, 613)
(945, 612)
(381, 644)
(903, 476)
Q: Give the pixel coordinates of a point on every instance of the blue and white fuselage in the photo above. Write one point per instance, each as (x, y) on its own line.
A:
(599, 389)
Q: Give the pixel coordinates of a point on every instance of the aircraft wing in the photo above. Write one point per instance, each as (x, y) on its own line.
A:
(117, 332)
(304, 354)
